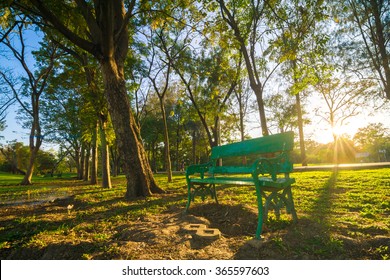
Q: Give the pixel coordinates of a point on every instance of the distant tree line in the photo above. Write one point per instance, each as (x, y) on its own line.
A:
(369, 144)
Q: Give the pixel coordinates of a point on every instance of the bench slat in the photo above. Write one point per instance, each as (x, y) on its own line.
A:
(224, 181)
(230, 169)
(245, 181)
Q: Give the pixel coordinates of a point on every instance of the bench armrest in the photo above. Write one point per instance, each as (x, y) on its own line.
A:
(273, 166)
(198, 168)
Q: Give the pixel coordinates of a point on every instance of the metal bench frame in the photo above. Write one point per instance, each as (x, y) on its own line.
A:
(264, 173)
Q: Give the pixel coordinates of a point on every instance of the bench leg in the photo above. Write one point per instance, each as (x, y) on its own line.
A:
(202, 191)
(189, 196)
(291, 204)
(287, 198)
(268, 202)
(260, 212)
(214, 193)
(276, 199)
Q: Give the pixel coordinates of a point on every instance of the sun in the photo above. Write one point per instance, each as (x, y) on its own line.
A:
(338, 130)
(326, 133)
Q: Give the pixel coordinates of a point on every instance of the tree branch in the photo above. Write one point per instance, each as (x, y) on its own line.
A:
(49, 16)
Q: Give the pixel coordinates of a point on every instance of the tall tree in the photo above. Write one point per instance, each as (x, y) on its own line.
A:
(102, 29)
(343, 98)
(95, 97)
(209, 81)
(33, 87)
(209, 76)
(161, 71)
(242, 94)
(82, 108)
(284, 118)
(301, 41)
(248, 22)
(61, 111)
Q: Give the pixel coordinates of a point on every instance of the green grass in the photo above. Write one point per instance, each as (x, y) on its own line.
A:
(343, 215)
(42, 187)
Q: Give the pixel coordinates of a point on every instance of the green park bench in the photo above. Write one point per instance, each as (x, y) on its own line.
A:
(261, 162)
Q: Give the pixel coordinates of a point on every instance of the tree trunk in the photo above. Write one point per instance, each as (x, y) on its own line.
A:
(300, 118)
(27, 179)
(260, 103)
(336, 149)
(168, 163)
(94, 166)
(300, 127)
(140, 180)
(76, 159)
(86, 162)
(115, 161)
(106, 179)
(178, 162)
(217, 136)
(80, 172)
(154, 157)
(242, 125)
(241, 119)
(335, 138)
(381, 45)
(194, 147)
(35, 144)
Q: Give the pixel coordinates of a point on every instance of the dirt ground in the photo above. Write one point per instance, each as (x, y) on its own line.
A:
(163, 236)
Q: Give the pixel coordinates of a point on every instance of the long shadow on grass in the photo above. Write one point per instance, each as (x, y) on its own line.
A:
(55, 251)
(16, 234)
(308, 239)
(134, 208)
(322, 206)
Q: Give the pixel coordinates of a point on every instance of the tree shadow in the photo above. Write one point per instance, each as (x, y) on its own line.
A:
(25, 223)
(56, 251)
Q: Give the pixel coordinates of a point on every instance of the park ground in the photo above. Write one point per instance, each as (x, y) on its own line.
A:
(342, 215)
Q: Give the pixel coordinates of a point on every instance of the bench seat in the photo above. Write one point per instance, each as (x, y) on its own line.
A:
(245, 181)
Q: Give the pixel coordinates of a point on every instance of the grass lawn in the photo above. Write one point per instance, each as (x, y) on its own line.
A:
(343, 215)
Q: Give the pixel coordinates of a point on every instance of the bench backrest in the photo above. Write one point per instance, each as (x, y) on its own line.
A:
(262, 145)
(272, 144)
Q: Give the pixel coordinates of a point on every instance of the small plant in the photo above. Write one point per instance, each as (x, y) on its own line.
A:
(86, 256)
(278, 242)
(383, 251)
